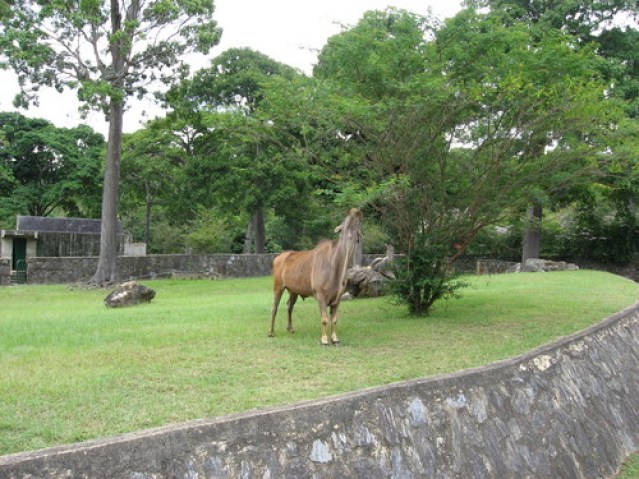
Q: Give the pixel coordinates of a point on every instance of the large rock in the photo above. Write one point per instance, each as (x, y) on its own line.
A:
(369, 281)
(535, 265)
(129, 294)
(364, 282)
(532, 265)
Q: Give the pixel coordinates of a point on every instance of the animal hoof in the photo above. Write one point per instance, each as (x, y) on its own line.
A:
(335, 343)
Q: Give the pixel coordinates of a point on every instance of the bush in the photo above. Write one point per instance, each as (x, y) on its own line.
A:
(498, 242)
(166, 239)
(210, 234)
(424, 276)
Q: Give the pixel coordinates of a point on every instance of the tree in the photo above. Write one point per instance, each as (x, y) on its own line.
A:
(590, 22)
(108, 51)
(151, 161)
(222, 100)
(377, 56)
(454, 146)
(48, 169)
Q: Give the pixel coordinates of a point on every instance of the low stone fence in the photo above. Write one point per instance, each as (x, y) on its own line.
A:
(569, 409)
(60, 270)
(52, 270)
(80, 269)
(5, 271)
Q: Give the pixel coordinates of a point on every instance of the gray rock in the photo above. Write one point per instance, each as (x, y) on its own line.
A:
(129, 294)
(534, 265)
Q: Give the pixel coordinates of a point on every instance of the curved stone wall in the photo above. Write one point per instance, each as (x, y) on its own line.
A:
(569, 409)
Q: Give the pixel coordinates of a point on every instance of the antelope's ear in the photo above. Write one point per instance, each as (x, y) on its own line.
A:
(338, 229)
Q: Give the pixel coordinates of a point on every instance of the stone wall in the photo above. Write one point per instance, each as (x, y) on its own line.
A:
(569, 409)
(55, 270)
(479, 265)
(5, 271)
(80, 269)
(630, 270)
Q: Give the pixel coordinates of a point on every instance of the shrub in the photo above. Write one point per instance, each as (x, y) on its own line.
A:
(210, 234)
(424, 275)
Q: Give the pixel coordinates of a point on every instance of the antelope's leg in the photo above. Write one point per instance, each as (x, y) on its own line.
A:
(334, 338)
(323, 312)
(292, 298)
(277, 296)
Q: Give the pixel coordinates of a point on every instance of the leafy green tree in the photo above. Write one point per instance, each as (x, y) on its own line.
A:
(234, 161)
(456, 145)
(210, 233)
(598, 23)
(235, 79)
(108, 51)
(379, 55)
(152, 158)
(44, 169)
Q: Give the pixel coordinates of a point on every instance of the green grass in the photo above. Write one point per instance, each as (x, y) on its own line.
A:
(71, 369)
(630, 469)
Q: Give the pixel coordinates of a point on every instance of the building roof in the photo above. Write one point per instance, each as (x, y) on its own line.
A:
(62, 225)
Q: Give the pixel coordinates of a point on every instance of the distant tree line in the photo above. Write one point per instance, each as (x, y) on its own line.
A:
(508, 129)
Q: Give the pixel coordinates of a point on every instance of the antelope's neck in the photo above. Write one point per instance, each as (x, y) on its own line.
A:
(343, 255)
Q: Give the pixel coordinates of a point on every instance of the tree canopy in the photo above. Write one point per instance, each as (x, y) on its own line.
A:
(491, 115)
(45, 169)
(439, 130)
(107, 51)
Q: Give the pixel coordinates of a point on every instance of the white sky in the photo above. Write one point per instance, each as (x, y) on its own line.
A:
(289, 31)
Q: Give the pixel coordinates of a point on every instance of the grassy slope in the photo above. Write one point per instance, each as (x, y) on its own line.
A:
(71, 369)
(630, 470)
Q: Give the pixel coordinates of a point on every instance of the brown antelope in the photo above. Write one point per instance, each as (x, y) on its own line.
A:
(320, 272)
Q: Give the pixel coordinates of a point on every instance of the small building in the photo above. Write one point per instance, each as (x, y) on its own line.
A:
(38, 236)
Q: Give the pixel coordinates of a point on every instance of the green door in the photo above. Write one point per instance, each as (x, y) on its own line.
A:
(19, 256)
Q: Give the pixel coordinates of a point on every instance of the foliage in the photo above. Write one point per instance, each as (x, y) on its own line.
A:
(234, 80)
(167, 238)
(73, 370)
(611, 27)
(595, 231)
(457, 147)
(151, 162)
(45, 169)
(582, 19)
(377, 56)
(68, 45)
(237, 154)
(423, 276)
(107, 51)
(210, 233)
(499, 241)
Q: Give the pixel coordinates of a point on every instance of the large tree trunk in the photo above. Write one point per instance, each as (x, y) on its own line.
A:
(106, 270)
(358, 254)
(255, 239)
(532, 233)
(531, 247)
(147, 224)
(259, 231)
(248, 238)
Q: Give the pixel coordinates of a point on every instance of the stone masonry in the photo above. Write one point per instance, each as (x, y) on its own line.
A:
(569, 409)
(5, 271)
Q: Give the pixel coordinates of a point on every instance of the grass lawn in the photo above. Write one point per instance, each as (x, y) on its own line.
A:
(71, 369)
(630, 469)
